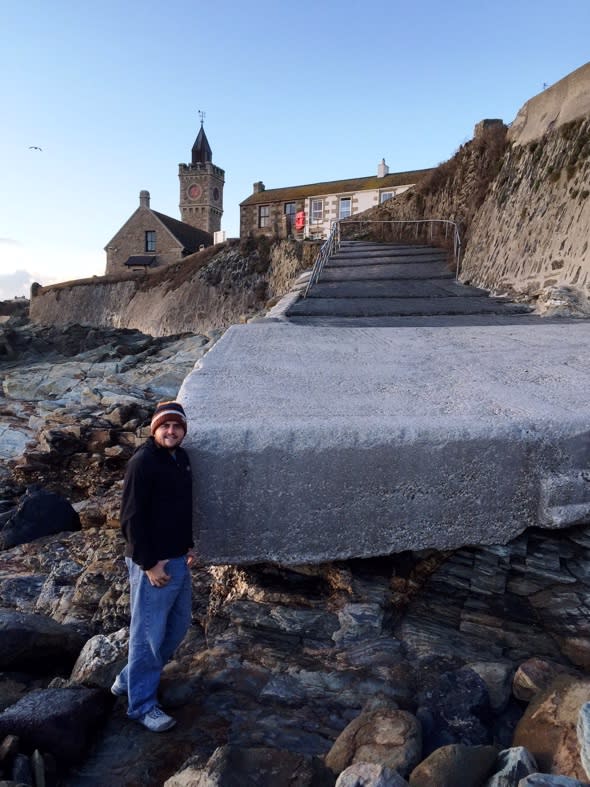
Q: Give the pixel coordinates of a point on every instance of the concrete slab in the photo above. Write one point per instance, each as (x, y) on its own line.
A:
(315, 444)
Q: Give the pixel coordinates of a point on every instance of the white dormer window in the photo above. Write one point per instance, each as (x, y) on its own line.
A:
(385, 195)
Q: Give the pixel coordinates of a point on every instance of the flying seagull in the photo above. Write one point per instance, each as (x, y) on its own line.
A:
(34, 147)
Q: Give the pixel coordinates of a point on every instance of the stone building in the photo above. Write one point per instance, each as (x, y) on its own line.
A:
(150, 239)
(308, 211)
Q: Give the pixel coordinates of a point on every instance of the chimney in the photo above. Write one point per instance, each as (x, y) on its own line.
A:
(258, 187)
(382, 169)
(144, 199)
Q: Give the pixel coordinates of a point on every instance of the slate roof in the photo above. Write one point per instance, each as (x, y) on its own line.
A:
(291, 193)
(201, 152)
(189, 237)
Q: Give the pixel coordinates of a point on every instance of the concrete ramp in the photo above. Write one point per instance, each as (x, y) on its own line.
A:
(316, 443)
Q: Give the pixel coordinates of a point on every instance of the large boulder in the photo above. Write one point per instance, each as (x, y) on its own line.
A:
(388, 737)
(451, 766)
(62, 721)
(40, 513)
(548, 726)
(232, 766)
(37, 644)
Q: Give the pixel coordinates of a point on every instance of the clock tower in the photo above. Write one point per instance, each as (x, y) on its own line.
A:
(201, 187)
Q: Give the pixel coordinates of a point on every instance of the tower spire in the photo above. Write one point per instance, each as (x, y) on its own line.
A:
(201, 153)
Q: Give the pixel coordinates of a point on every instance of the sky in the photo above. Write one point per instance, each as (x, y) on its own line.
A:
(293, 93)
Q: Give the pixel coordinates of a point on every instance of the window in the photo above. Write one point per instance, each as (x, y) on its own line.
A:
(150, 240)
(264, 216)
(317, 211)
(345, 207)
(289, 209)
(385, 195)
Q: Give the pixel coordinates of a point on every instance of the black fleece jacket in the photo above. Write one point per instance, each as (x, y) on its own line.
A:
(156, 507)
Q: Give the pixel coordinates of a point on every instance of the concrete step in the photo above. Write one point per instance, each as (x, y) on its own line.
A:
(403, 270)
(379, 307)
(394, 288)
(427, 321)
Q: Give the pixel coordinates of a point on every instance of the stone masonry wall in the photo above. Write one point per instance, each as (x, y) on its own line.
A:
(530, 237)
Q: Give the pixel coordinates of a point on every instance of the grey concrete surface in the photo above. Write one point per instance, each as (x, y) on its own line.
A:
(312, 443)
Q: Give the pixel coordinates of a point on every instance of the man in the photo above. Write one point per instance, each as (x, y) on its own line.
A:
(156, 520)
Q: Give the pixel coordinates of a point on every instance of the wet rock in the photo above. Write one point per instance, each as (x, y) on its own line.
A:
(454, 765)
(231, 766)
(60, 721)
(548, 726)
(511, 766)
(40, 513)
(36, 643)
(392, 738)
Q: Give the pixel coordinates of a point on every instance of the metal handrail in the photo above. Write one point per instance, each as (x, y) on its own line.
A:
(329, 246)
(332, 243)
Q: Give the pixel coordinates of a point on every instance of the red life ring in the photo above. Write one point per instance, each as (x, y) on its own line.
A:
(300, 220)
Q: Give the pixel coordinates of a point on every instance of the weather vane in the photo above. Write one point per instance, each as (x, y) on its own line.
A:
(202, 116)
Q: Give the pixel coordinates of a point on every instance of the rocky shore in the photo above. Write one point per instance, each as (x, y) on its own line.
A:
(459, 669)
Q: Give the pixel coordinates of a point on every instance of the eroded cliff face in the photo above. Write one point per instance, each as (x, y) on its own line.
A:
(209, 290)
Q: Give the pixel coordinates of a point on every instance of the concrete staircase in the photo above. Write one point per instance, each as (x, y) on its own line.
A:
(377, 284)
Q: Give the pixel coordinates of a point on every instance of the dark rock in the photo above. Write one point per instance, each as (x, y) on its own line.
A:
(60, 721)
(40, 513)
(21, 770)
(36, 643)
(456, 710)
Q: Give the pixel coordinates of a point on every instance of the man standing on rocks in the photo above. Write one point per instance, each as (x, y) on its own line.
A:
(156, 520)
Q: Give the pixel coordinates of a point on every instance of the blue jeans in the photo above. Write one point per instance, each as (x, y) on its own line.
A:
(160, 618)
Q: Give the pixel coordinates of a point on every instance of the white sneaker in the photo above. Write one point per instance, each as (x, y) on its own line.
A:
(156, 720)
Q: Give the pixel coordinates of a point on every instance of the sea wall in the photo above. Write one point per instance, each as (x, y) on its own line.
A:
(530, 236)
(209, 290)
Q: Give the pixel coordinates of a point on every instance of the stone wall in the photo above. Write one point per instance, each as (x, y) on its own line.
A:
(209, 290)
(530, 237)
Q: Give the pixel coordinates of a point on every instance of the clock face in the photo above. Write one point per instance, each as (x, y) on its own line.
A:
(194, 191)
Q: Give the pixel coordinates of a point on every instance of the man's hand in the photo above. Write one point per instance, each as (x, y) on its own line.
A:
(191, 558)
(156, 575)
